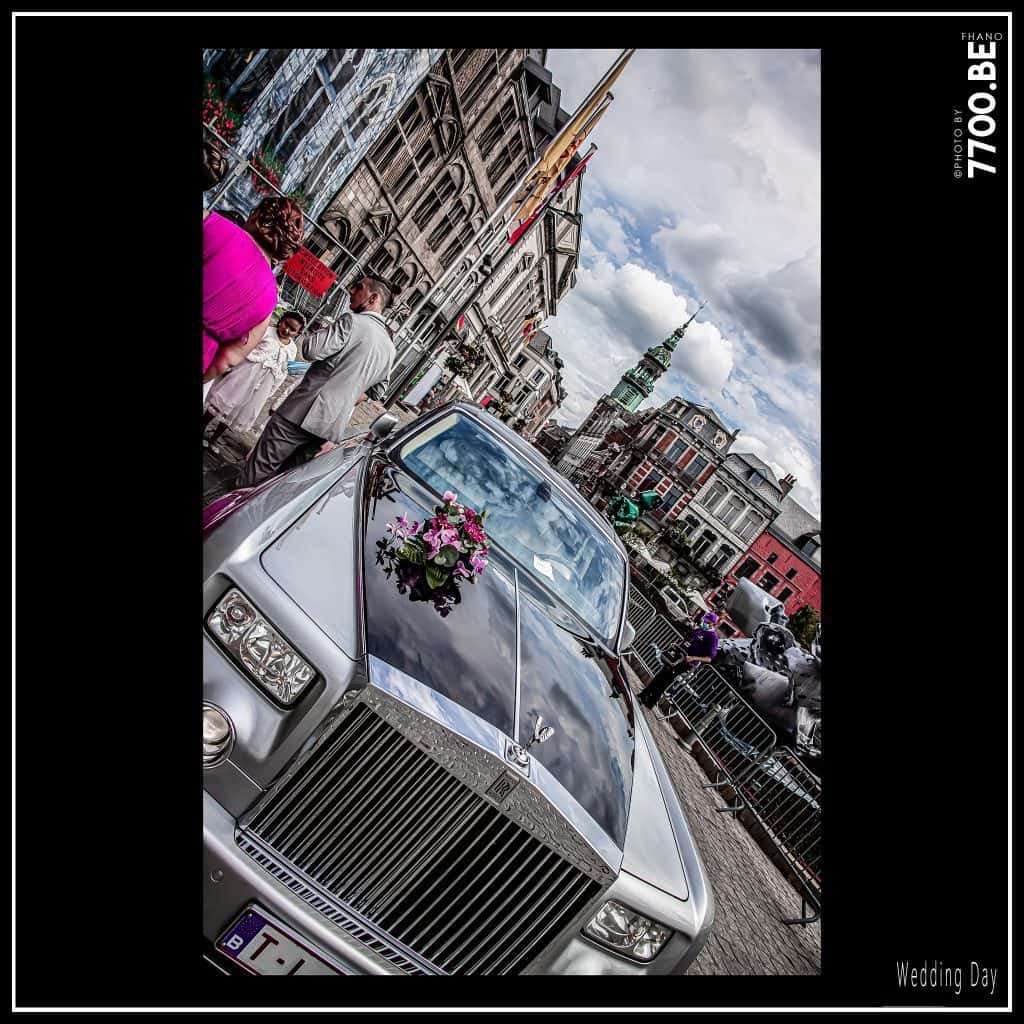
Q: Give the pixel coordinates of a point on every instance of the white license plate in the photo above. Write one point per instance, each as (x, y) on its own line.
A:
(263, 947)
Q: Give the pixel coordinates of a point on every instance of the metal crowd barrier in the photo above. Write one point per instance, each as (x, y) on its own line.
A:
(653, 633)
(729, 730)
(769, 782)
(785, 798)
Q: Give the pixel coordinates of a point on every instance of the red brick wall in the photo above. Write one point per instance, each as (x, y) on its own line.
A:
(805, 585)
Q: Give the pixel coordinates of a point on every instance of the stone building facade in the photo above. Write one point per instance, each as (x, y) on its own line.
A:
(407, 154)
(731, 510)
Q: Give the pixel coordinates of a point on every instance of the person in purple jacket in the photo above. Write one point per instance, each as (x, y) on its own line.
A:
(701, 648)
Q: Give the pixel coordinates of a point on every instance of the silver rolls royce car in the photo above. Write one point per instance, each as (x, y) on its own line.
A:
(407, 780)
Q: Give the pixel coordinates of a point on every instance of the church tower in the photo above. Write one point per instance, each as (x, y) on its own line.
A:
(580, 456)
(638, 383)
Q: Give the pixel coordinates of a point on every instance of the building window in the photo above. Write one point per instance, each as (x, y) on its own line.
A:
(396, 150)
(690, 523)
(249, 71)
(462, 237)
(672, 495)
(756, 479)
(497, 128)
(444, 188)
(809, 546)
(705, 541)
(767, 582)
(732, 511)
(676, 450)
(785, 594)
(520, 362)
(726, 629)
(713, 496)
(506, 165)
(694, 468)
(721, 556)
(538, 375)
(791, 574)
(751, 526)
(747, 568)
(331, 73)
(483, 78)
(650, 481)
(772, 557)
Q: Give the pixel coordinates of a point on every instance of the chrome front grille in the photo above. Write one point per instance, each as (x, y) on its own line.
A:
(387, 832)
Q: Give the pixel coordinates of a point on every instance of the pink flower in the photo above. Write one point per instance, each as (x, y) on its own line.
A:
(478, 562)
(449, 496)
(474, 532)
(460, 569)
(432, 538)
(448, 535)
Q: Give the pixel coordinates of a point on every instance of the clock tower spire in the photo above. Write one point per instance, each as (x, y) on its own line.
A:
(638, 382)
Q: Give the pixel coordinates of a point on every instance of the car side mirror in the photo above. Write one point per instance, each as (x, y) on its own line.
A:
(382, 426)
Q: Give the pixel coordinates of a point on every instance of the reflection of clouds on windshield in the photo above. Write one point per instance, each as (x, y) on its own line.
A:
(580, 564)
(591, 748)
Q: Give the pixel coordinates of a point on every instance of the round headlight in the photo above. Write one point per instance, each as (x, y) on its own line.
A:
(218, 735)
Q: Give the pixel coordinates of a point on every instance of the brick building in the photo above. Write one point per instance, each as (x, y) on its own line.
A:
(785, 560)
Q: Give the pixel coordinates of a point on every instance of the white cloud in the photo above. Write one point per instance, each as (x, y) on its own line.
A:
(706, 183)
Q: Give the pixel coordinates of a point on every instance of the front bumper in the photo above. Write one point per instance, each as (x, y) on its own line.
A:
(232, 880)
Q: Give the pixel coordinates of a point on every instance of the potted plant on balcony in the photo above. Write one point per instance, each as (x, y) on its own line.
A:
(220, 114)
(272, 169)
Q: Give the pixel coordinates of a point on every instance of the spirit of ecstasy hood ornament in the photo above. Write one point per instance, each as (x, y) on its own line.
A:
(517, 755)
(540, 735)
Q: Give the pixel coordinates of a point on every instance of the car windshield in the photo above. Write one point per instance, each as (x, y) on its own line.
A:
(528, 517)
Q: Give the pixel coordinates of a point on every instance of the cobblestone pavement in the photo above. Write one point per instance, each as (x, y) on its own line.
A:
(751, 894)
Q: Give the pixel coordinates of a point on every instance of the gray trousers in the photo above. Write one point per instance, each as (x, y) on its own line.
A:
(281, 446)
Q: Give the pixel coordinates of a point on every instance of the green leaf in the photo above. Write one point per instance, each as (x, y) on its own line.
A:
(436, 577)
(447, 556)
(413, 551)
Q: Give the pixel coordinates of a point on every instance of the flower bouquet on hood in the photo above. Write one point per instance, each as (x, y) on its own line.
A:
(450, 546)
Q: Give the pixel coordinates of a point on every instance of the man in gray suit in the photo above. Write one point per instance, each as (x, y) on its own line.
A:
(350, 357)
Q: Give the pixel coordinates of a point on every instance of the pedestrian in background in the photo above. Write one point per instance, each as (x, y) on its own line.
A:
(700, 648)
(349, 357)
(239, 288)
(238, 397)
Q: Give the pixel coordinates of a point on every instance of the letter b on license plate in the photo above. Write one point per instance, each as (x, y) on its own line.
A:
(263, 947)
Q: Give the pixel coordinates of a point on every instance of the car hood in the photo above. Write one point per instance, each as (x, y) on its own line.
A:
(504, 627)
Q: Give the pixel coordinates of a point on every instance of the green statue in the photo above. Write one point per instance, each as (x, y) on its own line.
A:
(624, 512)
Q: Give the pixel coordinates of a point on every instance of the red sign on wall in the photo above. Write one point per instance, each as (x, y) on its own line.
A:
(310, 273)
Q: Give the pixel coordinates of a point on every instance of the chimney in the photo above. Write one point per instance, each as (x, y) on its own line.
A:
(787, 483)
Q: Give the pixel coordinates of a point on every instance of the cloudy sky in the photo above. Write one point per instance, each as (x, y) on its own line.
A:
(706, 184)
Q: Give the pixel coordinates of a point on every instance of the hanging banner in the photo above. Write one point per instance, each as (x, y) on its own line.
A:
(310, 273)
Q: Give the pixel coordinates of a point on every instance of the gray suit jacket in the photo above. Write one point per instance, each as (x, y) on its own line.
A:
(348, 357)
